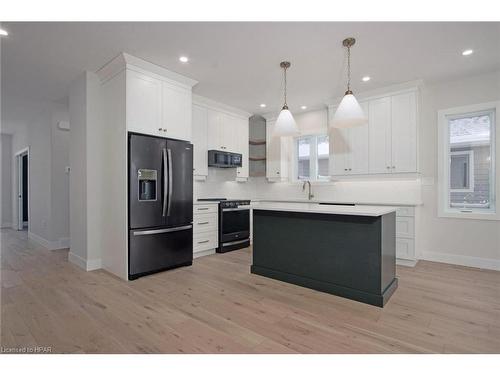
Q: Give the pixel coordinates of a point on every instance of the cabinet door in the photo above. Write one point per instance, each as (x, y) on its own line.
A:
(200, 135)
(242, 140)
(228, 132)
(273, 146)
(176, 112)
(379, 129)
(214, 130)
(358, 146)
(404, 133)
(339, 149)
(143, 97)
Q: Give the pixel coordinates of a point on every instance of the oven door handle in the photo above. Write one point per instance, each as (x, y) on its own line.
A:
(240, 208)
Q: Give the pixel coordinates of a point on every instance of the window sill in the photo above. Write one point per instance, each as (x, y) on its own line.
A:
(470, 215)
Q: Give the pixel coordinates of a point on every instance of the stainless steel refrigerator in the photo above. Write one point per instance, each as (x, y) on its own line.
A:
(160, 204)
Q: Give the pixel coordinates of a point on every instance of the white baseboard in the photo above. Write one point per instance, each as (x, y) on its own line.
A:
(406, 262)
(462, 260)
(87, 265)
(61, 243)
(203, 253)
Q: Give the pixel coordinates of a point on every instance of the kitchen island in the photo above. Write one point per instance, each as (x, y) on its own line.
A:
(346, 250)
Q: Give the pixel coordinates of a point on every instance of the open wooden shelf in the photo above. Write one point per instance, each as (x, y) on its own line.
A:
(257, 142)
(256, 159)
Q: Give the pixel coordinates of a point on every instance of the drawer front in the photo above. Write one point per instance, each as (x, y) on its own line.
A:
(405, 211)
(405, 248)
(205, 241)
(405, 227)
(205, 223)
(205, 208)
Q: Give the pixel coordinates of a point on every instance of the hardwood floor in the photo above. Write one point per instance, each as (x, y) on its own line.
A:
(217, 306)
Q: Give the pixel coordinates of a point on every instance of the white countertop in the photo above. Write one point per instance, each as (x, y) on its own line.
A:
(362, 210)
(292, 200)
(205, 202)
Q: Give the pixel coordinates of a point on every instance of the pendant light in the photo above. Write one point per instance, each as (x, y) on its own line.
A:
(349, 112)
(285, 124)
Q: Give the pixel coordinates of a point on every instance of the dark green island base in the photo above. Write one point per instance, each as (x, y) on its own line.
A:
(347, 255)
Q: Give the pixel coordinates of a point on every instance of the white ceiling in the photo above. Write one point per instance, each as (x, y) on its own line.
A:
(238, 63)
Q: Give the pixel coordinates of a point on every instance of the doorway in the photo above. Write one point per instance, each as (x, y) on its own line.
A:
(22, 161)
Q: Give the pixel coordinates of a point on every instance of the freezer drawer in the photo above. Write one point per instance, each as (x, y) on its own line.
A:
(156, 249)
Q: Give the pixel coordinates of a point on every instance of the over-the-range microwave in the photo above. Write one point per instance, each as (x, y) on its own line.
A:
(224, 159)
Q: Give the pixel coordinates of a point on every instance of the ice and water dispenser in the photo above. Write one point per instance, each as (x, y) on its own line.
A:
(147, 184)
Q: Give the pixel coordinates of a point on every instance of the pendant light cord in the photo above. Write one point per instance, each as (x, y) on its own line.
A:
(348, 69)
(285, 105)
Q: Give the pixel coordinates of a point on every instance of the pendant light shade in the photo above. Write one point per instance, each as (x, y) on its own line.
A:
(349, 113)
(285, 124)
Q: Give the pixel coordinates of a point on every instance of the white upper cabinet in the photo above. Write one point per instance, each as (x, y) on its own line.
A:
(200, 141)
(277, 153)
(349, 148)
(226, 130)
(379, 125)
(143, 96)
(387, 144)
(176, 111)
(242, 137)
(157, 107)
(404, 133)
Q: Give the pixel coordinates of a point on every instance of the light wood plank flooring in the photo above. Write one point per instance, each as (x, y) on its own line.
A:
(217, 306)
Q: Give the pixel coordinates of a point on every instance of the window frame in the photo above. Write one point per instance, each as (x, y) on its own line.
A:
(313, 158)
(444, 154)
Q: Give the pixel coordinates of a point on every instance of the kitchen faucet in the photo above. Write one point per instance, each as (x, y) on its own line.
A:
(310, 195)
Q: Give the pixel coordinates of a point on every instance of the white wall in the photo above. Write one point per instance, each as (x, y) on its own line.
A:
(6, 186)
(33, 124)
(465, 241)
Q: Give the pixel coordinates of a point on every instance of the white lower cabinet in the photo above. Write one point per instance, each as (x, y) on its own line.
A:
(205, 229)
(405, 236)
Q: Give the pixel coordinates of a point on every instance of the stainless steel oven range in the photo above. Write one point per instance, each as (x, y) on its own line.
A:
(234, 223)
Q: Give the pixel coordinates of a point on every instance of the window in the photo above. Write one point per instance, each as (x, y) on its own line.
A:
(467, 161)
(312, 155)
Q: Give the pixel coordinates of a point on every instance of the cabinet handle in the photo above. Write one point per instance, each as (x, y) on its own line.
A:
(388, 167)
(393, 166)
(345, 169)
(203, 241)
(202, 209)
(350, 169)
(160, 129)
(277, 173)
(205, 222)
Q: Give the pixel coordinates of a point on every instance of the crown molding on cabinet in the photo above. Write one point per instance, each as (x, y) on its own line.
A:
(126, 61)
(220, 107)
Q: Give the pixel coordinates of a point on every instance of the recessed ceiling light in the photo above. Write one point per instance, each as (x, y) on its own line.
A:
(3, 32)
(365, 78)
(303, 107)
(183, 59)
(262, 105)
(467, 52)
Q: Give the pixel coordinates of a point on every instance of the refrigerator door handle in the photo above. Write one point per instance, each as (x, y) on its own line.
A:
(169, 152)
(160, 231)
(165, 182)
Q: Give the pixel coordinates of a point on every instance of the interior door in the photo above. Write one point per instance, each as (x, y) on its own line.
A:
(146, 190)
(179, 208)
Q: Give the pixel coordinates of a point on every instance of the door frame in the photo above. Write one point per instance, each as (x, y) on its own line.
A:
(19, 191)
